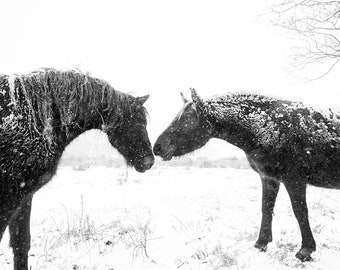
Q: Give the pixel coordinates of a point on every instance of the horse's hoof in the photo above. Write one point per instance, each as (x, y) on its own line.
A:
(304, 254)
(261, 247)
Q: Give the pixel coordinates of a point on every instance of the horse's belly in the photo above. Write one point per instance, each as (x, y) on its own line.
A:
(323, 170)
(317, 171)
(325, 180)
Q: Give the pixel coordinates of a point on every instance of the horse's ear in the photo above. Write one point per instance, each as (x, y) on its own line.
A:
(185, 100)
(141, 100)
(195, 97)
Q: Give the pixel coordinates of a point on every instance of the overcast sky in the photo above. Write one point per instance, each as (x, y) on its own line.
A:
(160, 48)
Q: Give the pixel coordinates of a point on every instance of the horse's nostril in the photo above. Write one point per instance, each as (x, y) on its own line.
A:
(148, 161)
(157, 149)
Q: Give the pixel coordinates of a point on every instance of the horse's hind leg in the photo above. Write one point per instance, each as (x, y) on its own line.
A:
(20, 237)
(270, 189)
(297, 194)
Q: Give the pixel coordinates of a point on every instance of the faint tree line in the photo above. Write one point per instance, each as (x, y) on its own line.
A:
(204, 162)
(81, 163)
(316, 23)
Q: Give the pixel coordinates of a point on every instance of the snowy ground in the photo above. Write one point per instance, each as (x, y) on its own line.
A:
(170, 218)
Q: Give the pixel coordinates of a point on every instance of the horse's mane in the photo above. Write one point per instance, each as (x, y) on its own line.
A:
(69, 92)
(221, 108)
(217, 105)
(238, 98)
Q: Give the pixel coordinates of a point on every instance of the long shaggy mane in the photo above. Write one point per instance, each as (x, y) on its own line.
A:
(70, 93)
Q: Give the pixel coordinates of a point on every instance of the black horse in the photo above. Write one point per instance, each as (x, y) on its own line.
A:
(285, 142)
(40, 114)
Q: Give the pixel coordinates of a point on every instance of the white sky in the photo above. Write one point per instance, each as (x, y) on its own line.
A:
(158, 47)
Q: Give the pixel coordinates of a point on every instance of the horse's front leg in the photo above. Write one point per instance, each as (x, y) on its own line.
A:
(5, 216)
(270, 189)
(297, 194)
(20, 237)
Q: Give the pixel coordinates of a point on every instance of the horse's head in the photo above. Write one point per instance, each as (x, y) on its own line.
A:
(187, 132)
(129, 136)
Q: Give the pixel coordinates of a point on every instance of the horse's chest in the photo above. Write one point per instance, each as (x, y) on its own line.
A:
(26, 164)
(273, 169)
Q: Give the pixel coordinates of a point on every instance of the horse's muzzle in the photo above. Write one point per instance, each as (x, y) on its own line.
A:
(163, 148)
(146, 163)
(157, 149)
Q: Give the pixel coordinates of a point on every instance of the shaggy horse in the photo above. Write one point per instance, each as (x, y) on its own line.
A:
(285, 142)
(40, 114)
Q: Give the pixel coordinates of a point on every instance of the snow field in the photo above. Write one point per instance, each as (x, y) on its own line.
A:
(170, 218)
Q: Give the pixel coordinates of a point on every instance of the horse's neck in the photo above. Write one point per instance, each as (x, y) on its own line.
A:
(238, 135)
(80, 121)
(241, 129)
(87, 121)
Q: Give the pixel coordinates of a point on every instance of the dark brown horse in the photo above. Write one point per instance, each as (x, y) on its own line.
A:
(285, 142)
(40, 114)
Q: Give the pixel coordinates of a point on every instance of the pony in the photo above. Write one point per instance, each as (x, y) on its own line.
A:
(285, 142)
(40, 114)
